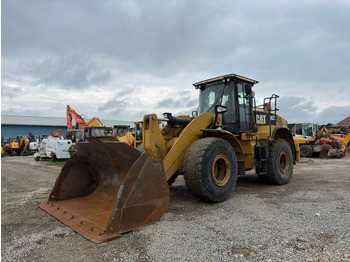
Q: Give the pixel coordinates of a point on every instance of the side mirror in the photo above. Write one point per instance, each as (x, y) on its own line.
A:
(194, 114)
(167, 115)
(219, 109)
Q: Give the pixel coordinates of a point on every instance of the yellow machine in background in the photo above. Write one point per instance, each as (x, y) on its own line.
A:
(81, 130)
(120, 130)
(328, 141)
(95, 121)
(108, 187)
(14, 147)
(18, 146)
(24, 144)
(132, 137)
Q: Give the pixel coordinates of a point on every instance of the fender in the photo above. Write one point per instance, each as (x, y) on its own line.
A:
(229, 137)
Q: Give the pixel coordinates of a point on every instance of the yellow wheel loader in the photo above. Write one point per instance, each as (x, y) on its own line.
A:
(108, 188)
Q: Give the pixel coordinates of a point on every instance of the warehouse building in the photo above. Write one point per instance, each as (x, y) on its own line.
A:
(12, 126)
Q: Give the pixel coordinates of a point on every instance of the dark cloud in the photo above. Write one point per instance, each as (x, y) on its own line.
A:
(67, 72)
(122, 105)
(179, 99)
(90, 45)
(333, 114)
(121, 110)
(299, 110)
(296, 109)
(177, 102)
(169, 102)
(161, 37)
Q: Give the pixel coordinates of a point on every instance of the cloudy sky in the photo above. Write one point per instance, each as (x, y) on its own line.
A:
(119, 60)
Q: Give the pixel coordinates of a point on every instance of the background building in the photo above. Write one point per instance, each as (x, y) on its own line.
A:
(12, 126)
(345, 122)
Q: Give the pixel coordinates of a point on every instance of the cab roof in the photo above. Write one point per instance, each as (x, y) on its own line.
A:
(218, 78)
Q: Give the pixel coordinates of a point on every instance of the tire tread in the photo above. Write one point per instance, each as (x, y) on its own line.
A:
(192, 162)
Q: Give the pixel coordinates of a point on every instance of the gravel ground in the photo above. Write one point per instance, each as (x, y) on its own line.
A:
(306, 220)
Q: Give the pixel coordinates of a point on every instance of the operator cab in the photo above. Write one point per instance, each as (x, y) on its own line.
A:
(233, 92)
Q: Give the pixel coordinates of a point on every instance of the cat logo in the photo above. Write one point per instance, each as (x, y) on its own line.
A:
(261, 119)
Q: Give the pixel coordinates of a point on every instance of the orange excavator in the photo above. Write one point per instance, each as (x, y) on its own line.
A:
(82, 129)
(80, 122)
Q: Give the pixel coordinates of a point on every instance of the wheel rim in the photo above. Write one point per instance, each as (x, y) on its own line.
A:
(220, 170)
(283, 162)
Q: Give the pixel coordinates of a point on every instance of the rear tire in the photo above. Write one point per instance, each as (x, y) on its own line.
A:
(280, 163)
(210, 169)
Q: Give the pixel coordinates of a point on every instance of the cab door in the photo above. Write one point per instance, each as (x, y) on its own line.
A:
(244, 109)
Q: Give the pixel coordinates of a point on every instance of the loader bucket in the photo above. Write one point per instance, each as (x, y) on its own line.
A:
(324, 152)
(108, 188)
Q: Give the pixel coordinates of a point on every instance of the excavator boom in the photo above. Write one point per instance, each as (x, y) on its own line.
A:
(78, 119)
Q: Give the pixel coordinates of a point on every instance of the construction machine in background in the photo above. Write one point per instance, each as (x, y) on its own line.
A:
(18, 146)
(79, 121)
(302, 133)
(2, 146)
(306, 130)
(133, 137)
(35, 142)
(108, 188)
(343, 140)
(13, 148)
(120, 130)
(54, 147)
(328, 141)
(81, 130)
(21, 145)
(24, 145)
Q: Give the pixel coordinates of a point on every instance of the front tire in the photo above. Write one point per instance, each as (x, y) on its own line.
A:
(305, 151)
(280, 163)
(210, 169)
